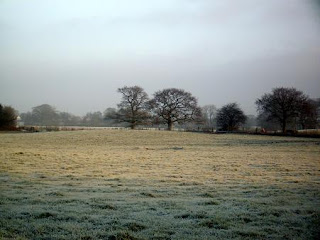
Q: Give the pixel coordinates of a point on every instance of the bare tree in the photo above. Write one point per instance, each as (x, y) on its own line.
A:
(133, 106)
(8, 116)
(230, 117)
(175, 105)
(307, 115)
(282, 105)
(209, 113)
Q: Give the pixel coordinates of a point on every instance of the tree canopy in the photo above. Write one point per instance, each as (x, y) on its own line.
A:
(132, 108)
(8, 116)
(308, 114)
(93, 119)
(230, 117)
(45, 115)
(285, 105)
(175, 105)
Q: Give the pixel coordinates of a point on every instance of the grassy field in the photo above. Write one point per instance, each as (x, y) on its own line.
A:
(122, 184)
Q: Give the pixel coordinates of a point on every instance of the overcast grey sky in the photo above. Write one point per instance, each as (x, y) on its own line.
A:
(74, 54)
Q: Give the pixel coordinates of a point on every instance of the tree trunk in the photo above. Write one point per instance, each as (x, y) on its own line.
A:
(170, 125)
(284, 126)
(133, 126)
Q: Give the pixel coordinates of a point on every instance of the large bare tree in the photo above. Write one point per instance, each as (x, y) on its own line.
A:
(230, 117)
(282, 105)
(132, 108)
(175, 105)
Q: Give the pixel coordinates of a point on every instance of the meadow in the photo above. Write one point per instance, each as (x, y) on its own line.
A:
(126, 184)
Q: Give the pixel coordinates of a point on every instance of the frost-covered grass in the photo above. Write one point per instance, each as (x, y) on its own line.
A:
(118, 184)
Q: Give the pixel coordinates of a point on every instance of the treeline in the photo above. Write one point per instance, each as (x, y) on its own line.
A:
(47, 115)
(283, 108)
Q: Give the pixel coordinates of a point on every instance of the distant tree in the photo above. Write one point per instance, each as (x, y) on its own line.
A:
(270, 125)
(93, 119)
(175, 105)
(45, 115)
(133, 107)
(230, 117)
(317, 102)
(8, 116)
(68, 119)
(307, 114)
(111, 118)
(283, 105)
(27, 118)
(110, 114)
(209, 113)
(251, 121)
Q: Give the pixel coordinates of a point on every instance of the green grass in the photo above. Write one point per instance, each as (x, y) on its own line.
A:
(109, 185)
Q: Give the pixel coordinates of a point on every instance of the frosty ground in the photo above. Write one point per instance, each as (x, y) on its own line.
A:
(126, 184)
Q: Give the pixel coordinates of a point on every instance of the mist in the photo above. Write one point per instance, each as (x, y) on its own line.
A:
(75, 54)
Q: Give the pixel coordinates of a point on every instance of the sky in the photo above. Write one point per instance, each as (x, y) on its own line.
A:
(75, 54)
